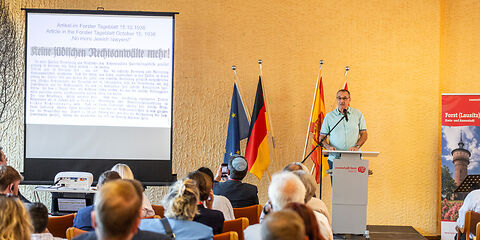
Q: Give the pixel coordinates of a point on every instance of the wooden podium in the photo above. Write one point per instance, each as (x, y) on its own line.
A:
(350, 192)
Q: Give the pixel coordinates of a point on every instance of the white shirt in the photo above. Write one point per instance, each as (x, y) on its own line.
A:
(324, 226)
(253, 232)
(223, 205)
(471, 203)
(44, 236)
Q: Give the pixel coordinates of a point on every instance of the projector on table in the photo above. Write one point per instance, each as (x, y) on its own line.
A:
(78, 180)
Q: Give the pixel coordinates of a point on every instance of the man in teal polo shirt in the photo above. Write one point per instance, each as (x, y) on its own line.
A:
(349, 135)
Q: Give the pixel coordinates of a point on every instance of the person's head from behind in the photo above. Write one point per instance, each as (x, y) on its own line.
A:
(285, 188)
(14, 221)
(207, 171)
(283, 225)
(9, 180)
(124, 171)
(294, 166)
(181, 200)
(309, 220)
(117, 210)
(203, 182)
(39, 216)
(308, 182)
(107, 176)
(237, 167)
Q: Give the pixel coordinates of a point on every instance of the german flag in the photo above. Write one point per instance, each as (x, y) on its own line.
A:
(257, 152)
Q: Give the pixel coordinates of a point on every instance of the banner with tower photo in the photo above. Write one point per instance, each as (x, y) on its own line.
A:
(460, 155)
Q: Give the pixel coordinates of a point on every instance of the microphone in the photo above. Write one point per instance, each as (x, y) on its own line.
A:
(345, 114)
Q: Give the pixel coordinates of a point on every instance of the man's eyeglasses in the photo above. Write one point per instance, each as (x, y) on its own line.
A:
(342, 98)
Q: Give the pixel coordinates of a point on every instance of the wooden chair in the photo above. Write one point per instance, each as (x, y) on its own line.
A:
(58, 225)
(471, 225)
(251, 212)
(159, 210)
(236, 225)
(73, 232)
(226, 236)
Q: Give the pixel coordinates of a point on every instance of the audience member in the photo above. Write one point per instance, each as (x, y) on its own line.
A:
(471, 203)
(14, 221)
(283, 225)
(126, 173)
(39, 217)
(206, 215)
(240, 194)
(3, 161)
(83, 218)
(284, 188)
(117, 213)
(180, 209)
(312, 202)
(9, 180)
(220, 202)
(309, 220)
(294, 166)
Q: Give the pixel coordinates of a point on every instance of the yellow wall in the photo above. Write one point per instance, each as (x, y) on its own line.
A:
(394, 51)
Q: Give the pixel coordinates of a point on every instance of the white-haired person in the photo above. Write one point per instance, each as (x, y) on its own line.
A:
(126, 173)
(180, 208)
(285, 188)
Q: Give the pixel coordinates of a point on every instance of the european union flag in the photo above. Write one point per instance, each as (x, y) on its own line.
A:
(238, 125)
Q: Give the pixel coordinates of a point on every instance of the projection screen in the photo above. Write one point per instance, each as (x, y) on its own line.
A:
(98, 91)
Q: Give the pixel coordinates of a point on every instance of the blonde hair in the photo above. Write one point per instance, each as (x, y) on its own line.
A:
(123, 170)
(181, 200)
(14, 220)
(309, 182)
(117, 207)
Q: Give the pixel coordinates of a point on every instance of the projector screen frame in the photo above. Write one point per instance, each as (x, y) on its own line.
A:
(142, 168)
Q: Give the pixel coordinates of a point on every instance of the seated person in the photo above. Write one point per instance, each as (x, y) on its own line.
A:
(471, 203)
(9, 180)
(283, 225)
(220, 203)
(3, 161)
(39, 217)
(240, 194)
(83, 218)
(126, 173)
(117, 213)
(309, 220)
(14, 221)
(207, 216)
(180, 209)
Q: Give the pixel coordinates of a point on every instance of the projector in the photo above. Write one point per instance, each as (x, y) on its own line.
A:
(78, 180)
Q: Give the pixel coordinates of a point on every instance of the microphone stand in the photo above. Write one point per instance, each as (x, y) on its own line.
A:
(320, 143)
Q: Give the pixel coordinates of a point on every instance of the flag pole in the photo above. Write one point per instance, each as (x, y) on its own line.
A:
(235, 78)
(347, 68)
(268, 113)
(311, 111)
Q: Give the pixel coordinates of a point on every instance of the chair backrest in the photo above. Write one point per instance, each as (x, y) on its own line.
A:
(73, 232)
(159, 210)
(471, 220)
(58, 225)
(226, 236)
(236, 225)
(250, 212)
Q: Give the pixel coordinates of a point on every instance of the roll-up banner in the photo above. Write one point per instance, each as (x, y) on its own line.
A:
(460, 156)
